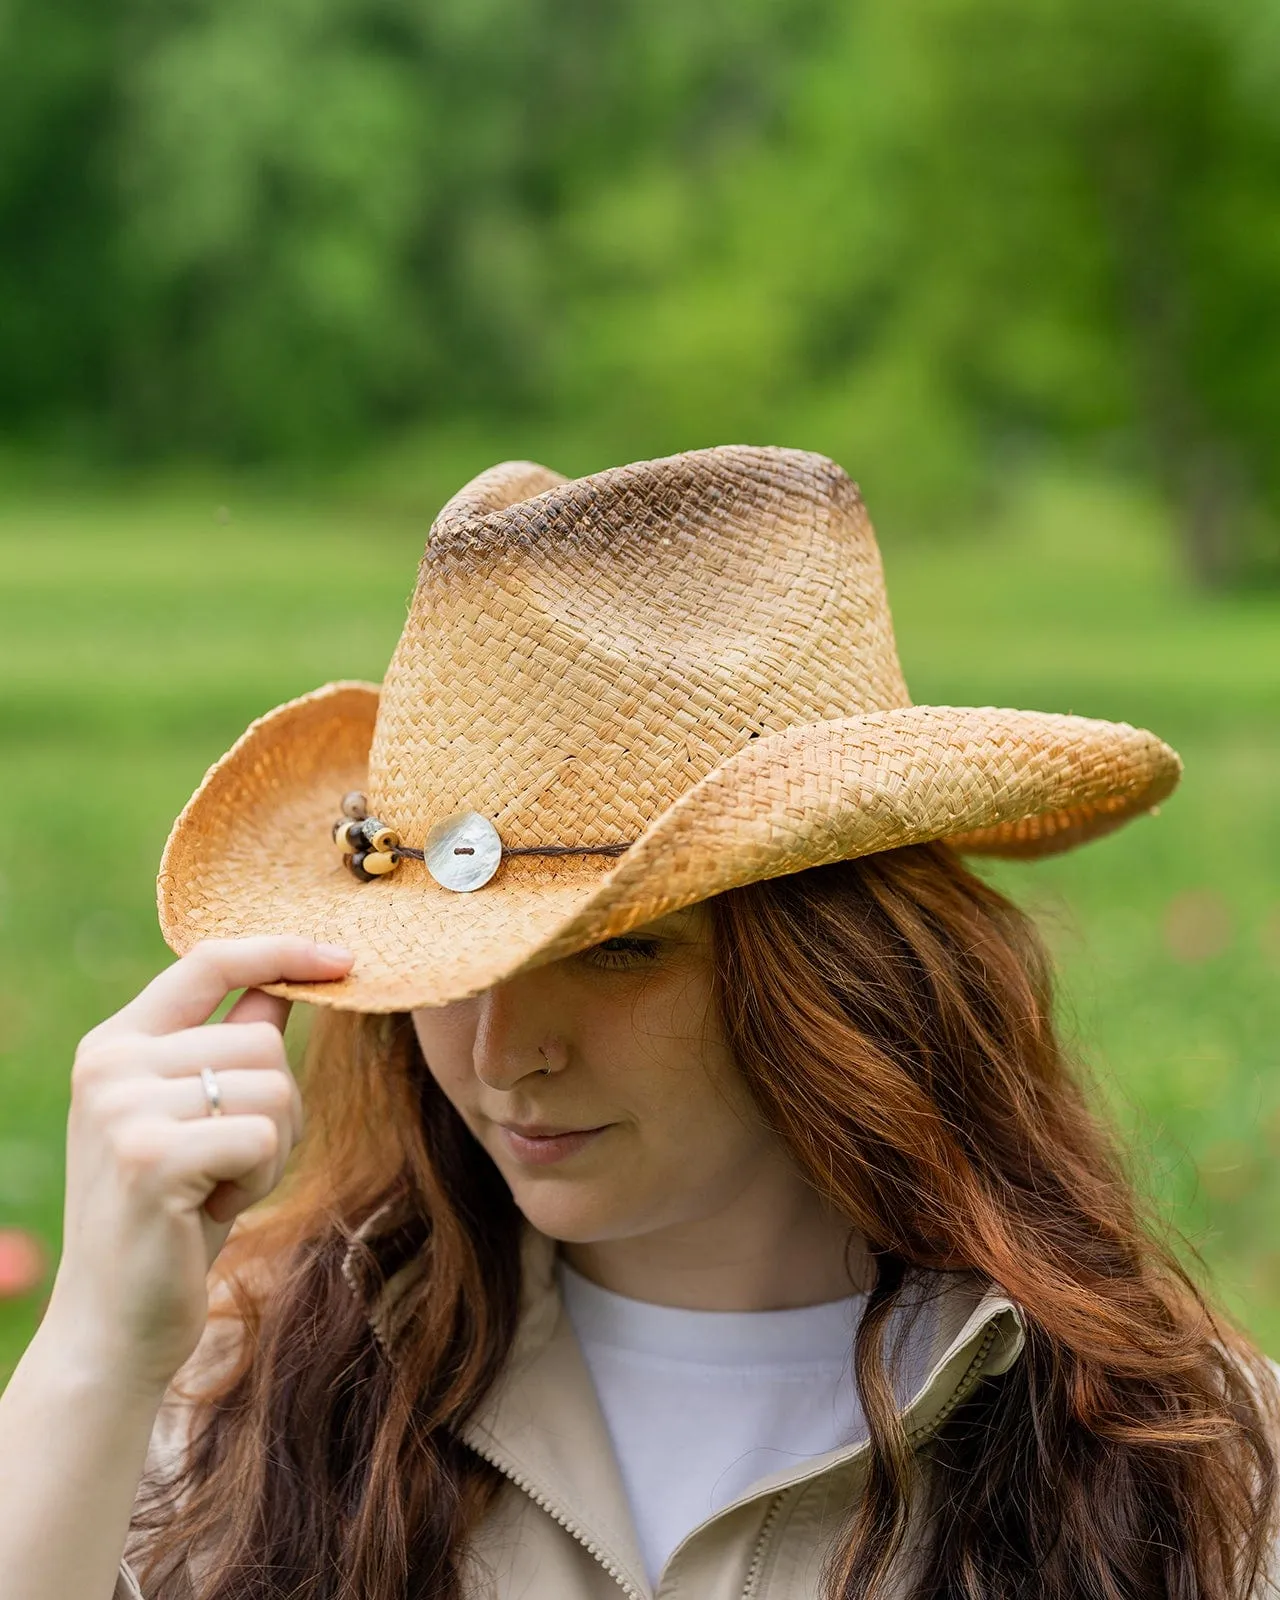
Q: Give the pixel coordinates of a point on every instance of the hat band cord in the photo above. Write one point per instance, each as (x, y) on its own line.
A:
(527, 850)
(370, 849)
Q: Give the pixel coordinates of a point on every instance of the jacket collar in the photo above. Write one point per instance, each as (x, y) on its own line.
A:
(542, 1427)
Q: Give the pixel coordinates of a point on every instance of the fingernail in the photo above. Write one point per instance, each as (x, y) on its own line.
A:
(334, 952)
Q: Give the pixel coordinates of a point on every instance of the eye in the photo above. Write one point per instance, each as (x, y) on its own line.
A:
(630, 951)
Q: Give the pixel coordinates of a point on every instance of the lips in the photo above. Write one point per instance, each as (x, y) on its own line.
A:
(541, 1130)
(539, 1144)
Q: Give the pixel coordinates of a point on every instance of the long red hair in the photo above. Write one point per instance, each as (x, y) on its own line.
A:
(893, 1017)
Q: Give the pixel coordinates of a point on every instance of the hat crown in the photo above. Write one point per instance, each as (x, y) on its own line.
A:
(578, 654)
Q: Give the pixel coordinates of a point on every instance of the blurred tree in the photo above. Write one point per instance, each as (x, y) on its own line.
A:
(925, 235)
(985, 224)
(339, 214)
(1102, 185)
(57, 94)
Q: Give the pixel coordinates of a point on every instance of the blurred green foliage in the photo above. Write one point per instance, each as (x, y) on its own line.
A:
(926, 236)
(1014, 263)
(144, 629)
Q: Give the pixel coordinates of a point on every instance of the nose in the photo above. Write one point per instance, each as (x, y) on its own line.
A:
(513, 1019)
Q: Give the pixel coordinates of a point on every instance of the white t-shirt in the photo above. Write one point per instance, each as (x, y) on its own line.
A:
(701, 1404)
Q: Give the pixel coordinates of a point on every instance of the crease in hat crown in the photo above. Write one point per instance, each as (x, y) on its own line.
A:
(576, 660)
(691, 658)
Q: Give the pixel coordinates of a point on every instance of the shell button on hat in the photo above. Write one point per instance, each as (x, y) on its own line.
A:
(614, 696)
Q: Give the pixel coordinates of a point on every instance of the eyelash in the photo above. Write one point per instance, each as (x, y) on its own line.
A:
(632, 952)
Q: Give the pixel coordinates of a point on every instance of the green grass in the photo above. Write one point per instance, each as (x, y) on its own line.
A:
(140, 632)
(1167, 933)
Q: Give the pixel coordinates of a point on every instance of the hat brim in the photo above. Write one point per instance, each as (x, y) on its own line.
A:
(251, 852)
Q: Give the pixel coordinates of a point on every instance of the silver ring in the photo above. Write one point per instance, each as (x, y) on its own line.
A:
(545, 1071)
(212, 1093)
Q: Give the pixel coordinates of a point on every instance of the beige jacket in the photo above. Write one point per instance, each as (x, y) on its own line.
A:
(562, 1529)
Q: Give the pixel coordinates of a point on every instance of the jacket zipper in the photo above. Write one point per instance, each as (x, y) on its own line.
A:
(766, 1530)
(570, 1527)
(915, 1439)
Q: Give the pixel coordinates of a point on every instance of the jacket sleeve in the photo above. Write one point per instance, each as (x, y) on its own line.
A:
(170, 1435)
(164, 1455)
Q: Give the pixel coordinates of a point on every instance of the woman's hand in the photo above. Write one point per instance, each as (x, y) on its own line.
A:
(153, 1181)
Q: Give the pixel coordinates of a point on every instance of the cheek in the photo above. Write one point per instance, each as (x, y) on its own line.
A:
(445, 1035)
(684, 1078)
(696, 1122)
(686, 1153)
(690, 1136)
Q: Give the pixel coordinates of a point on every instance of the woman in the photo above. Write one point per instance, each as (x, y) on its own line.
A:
(695, 1197)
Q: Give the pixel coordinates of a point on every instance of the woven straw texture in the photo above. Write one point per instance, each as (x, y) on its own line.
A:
(693, 656)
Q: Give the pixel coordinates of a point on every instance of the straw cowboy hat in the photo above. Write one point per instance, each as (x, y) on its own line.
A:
(613, 697)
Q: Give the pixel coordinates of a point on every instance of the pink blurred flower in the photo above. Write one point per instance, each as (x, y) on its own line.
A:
(21, 1262)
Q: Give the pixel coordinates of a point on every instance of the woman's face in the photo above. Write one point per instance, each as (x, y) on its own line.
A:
(643, 1123)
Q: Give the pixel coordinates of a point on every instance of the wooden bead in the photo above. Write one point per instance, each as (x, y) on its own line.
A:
(343, 829)
(378, 836)
(355, 865)
(378, 863)
(355, 806)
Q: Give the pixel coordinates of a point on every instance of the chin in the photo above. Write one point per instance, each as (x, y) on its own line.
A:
(574, 1213)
